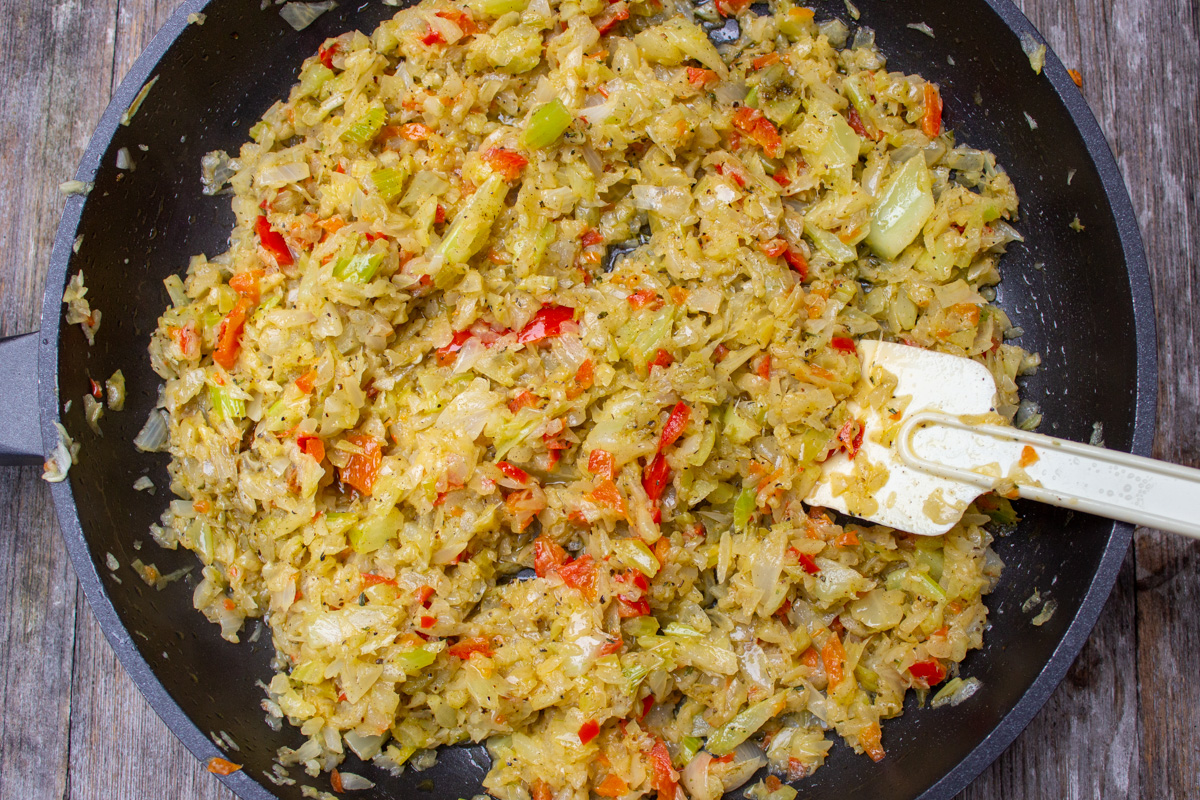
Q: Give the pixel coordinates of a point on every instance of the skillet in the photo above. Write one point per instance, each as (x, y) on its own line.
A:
(1082, 298)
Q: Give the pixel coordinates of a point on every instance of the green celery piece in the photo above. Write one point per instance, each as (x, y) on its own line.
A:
(777, 97)
(689, 746)
(547, 124)
(389, 182)
(726, 738)
(366, 127)
(474, 221)
(358, 269)
(867, 677)
(752, 97)
(685, 631)
(634, 553)
(375, 532)
(813, 444)
(415, 660)
(902, 209)
(737, 428)
(838, 250)
(226, 406)
(314, 76)
(918, 583)
(743, 508)
(498, 8)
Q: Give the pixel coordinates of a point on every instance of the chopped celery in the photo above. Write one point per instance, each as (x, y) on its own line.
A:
(737, 428)
(834, 247)
(743, 508)
(640, 626)
(498, 8)
(547, 124)
(634, 553)
(726, 738)
(415, 660)
(338, 521)
(528, 251)
(366, 127)
(998, 508)
(918, 583)
(929, 555)
(314, 76)
(902, 209)
(867, 677)
(389, 182)
(752, 97)
(474, 221)
(679, 629)
(688, 747)
(360, 268)
(375, 532)
(814, 443)
(224, 405)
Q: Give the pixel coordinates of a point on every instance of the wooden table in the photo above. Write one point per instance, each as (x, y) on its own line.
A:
(1124, 724)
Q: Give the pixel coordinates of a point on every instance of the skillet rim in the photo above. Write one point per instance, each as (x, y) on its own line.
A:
(997, 740)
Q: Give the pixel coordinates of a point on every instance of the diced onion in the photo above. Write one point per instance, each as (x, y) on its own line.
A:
(153, 436)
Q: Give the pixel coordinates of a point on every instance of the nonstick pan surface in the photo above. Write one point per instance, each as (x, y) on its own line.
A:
(1083, 300)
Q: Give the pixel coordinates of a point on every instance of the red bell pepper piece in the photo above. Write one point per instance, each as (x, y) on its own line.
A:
(273, 242)
(655, 477)
(676, 425)
(547, 323)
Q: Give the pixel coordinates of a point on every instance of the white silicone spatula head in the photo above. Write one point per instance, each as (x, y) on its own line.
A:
(910, 500)
(930, 449)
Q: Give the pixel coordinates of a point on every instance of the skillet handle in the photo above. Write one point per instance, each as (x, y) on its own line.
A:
(20, 428)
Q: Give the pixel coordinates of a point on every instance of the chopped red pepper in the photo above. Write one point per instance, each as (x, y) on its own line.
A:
(807, 562)
(273, 242)
(782, 178)
(432, 36)
(506, 163)
(796, 261)
(220, 766)
(833, 656)
(847, 538)
(871, 738)
(588, 731)
(335, 777)
(762, 367)
(445, 354)
(606, 493)
(591, 237)
(511, 470)
(425, 596)
(415, 131)
(735, 174)
(661, 359)
(306, 381)
(655, 477)
(580, 573)
(548, 556)
(610, 17)
(312, 446)
(663, 777)
(427, 621)
(851, 437)
(612, 647)
(585, 377)
(525, 399)
(613, 785)
(463, 20)
(844, 344)
(645, 297)
(547, 323)
(325, 54)
(676, 424)
(931, 122)
(371, 579)
(246, 284)
(97, 389)
(766, 60)
(628, 609)
(698, 76)
(719, 353)
(752, 122)
(602, 464)
(362, 469)
(731, 8)
(929, 672)
(856, 124)
(465, 648)
(229, 335)
(439, 214)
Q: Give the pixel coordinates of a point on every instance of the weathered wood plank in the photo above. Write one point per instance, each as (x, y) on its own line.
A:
(45, 119)
(120, 749)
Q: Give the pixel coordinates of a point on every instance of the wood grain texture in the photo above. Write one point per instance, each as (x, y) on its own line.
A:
(1125, 723)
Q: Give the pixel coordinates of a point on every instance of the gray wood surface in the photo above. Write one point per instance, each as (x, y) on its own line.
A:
(1125, 723)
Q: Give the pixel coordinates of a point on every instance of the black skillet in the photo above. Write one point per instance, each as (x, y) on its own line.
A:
(1083, 300)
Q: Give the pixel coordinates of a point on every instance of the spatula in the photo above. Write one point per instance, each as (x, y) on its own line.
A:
(941, 451)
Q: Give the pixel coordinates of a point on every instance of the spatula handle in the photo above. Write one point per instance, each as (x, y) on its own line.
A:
(1067, 474)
